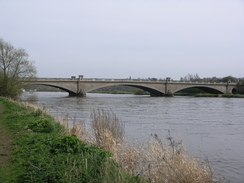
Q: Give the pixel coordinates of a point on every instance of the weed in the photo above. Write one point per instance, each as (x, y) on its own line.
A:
(65, 144)
(32, 98)
(41, 125)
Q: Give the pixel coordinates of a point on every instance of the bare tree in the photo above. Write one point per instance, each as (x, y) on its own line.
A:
(191, 77)
(15, 66)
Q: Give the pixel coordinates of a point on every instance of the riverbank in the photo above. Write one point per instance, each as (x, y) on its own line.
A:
(40, 150)
(44, 151)
(220, 95)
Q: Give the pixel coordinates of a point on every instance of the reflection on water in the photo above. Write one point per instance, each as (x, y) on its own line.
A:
(211, 128)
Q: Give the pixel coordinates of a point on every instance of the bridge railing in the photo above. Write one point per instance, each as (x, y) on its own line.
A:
(150, 80)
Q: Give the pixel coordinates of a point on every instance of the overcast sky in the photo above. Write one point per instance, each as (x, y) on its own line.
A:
(123, 38)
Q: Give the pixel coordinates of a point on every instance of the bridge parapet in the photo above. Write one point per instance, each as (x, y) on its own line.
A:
(130, 80)
(52, 79)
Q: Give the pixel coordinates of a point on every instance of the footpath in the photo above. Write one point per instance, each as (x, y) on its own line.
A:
(5, 142)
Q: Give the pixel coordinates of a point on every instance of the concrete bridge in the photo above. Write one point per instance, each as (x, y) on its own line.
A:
(80, 86)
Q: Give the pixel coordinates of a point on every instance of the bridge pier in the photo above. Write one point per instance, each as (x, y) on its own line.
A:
(71, 94)
(169, 94)
(161, 95)
(157, 95)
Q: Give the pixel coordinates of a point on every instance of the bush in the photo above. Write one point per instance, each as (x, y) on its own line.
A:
(65, 144)
(41, 125)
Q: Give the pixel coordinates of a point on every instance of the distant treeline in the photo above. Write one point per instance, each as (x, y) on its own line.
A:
(121, 90)
(42, 88)
(195, 77)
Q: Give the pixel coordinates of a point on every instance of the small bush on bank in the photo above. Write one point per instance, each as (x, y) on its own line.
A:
(65, 144)
(41, 125)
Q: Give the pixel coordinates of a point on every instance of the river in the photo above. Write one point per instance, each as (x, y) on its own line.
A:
(210, 128)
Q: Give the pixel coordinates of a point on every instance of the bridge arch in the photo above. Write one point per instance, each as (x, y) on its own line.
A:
(234, 91)
(59, 86)
(207, 89)
(154, 92)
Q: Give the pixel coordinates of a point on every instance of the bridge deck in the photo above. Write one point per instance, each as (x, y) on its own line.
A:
(128, 80)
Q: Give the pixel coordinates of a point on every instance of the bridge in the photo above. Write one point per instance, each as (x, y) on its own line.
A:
(80, 86)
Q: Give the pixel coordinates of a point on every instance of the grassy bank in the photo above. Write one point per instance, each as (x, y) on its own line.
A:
(220, 95)
(42, 151)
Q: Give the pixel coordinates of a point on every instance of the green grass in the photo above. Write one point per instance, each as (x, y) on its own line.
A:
(207, 95)
(220, 95)
(233, 96)
(41, 152)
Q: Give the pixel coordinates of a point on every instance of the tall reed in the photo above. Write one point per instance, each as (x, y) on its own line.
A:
(108, 129)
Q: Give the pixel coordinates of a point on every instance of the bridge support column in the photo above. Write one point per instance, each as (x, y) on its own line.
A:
(79, 89)
(228, 88)
(156, 94)
(169, 94)
(71, 94)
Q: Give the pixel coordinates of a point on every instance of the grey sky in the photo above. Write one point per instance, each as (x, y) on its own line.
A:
(122, 38)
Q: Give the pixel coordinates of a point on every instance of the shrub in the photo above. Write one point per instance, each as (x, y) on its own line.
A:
(41, 125)
(65, 144)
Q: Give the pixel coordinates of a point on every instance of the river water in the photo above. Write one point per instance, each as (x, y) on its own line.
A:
(210, 128)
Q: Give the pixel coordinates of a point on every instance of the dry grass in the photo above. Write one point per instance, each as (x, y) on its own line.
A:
(80, 129)
(108, 129)
(161, 163)
(36, 108)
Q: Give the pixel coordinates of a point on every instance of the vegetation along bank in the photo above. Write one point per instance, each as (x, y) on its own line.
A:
(36, 148)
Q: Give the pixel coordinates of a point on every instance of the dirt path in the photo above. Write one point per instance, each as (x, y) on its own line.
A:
(5, 142)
